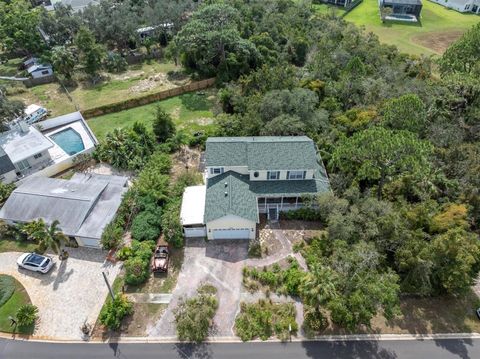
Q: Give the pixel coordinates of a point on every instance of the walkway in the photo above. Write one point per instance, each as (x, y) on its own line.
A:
(153, 298)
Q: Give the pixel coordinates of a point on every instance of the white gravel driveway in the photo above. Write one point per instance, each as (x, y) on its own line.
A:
(72, 292)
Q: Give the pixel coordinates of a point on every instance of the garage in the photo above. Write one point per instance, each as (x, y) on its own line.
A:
(194, 232)
(192, 212)
(232, 233)
(88, 242)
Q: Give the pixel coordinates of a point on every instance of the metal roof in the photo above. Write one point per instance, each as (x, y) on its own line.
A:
(19, 145)
(193, 205)
(403, 2)
(262, 153)
(83, 205)
(5, 164)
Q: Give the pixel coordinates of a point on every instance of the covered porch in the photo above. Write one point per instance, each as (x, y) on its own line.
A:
(272, 206)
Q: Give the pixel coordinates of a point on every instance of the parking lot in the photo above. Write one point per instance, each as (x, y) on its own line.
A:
(70, 294)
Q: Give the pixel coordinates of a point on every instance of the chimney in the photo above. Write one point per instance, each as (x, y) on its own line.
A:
(24, 128)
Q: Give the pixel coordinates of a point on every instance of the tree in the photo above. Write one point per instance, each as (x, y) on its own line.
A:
(406, 112)
(27, 315)
(47, 236)
(9, 109)
(92, 54)
(456, 261)
(115, 310)
(19, 27)
(378, 154)
(63, 61)
(163, 126)
(462, 56)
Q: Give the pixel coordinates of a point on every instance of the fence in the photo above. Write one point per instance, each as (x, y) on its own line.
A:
(352, 6)
(147, 99)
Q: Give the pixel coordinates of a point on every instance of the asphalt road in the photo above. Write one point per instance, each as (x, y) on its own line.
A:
(385, 349)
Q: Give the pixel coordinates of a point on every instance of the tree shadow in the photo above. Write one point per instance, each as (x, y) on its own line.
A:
(62, 274)
(456, 346)
(196, 101)
(347, 349)
(191, 350)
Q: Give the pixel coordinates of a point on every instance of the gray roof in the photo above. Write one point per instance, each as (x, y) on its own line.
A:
(5, 164)
(19, 145)
(403, 2)
(262, 153)
(83, 206)
(241, 193)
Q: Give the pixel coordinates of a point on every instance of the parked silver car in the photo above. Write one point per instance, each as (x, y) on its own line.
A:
(35, 262)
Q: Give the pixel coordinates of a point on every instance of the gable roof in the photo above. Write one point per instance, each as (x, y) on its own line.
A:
(5, 164)
(19, 145)
(229, 194)
(83, 205)
(262, 152)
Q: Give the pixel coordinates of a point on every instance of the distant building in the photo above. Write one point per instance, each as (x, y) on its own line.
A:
(36, 69)
(44, 149)
(401, 10)
(461, 5)
(34, 113)
(341, 3)
(83, 205)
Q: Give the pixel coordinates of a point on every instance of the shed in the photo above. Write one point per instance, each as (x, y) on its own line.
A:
(193, 210)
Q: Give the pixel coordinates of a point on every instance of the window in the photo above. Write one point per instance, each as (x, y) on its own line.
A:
(255, 174)
(273, 175)
(216, 170)
(37, 156)
(45, 72)
(23, 165)
(296, 175)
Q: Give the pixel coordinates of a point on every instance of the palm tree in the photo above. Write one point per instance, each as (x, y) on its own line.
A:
(47, 236)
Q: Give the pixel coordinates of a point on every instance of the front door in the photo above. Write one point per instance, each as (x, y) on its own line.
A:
(273, 212)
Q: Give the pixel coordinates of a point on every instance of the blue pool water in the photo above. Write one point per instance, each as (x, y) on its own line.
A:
(69, 140)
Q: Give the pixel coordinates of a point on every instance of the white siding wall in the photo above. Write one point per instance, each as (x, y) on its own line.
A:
(243, 170)
(262, 175)
(9, 177)
(88, 242)
(231, 221)
(457, 5)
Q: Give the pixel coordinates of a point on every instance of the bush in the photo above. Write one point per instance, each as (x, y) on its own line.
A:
(146, 225)
(264, 319)
(5, 191)
(313, 320)
(137, 270)
(7, 287)
(194, 316)
(304, 214)
(112, 236)
(172, 228)
(143, 249)
(114, 311)
(163, 126)
(27, 315)
(115, 62)
(124, 253)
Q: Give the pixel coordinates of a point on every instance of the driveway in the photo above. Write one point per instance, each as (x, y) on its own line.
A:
(219, 263)
(72, 292)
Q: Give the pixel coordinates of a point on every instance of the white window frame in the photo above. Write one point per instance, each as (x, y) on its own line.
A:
(23, 165)
(216, 170)
(296, 175)
(273, 178)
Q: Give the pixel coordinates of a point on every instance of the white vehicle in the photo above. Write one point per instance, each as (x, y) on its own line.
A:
(34, 113)
(35, 262)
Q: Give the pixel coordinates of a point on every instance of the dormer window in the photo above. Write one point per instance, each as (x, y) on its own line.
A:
(273, 175)
(216, 170)
(296, 175)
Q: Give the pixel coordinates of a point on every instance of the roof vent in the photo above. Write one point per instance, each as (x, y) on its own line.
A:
(226, 184)
(226, 194)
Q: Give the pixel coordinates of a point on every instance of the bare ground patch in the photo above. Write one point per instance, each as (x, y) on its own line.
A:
(437, 41)
(185, 159)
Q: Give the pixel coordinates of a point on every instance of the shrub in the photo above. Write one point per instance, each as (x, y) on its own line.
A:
(124, 253)
(163, 126)
(5, 191)
(143, 249)
(172, 228)
(304, 214)
(136, 270)
(114, 311)
(194, 316)
(112, 236)
(264, 318)
(146, 225)
(115, 62)
(313, 320)
(7, 287)
(27, 315)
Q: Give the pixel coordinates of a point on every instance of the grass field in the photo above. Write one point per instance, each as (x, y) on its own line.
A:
(138, 80)
(191, 110)
(8, 245)
(439, 27)
(326, 9)
(19, 297)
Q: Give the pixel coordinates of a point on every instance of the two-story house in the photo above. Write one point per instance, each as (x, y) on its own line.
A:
(249, 176)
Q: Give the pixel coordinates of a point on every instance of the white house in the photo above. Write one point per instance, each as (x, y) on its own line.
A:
(83, 205)
(44, 149)
(461, 5)
(249, 176)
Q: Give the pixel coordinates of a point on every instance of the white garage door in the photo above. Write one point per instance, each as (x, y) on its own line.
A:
(233, 233)
(89, 242)
(195, 232)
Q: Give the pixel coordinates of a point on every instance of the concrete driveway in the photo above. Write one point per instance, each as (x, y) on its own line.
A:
(219, 263)
(72, 292)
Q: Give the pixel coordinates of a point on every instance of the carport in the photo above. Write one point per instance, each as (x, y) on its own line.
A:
(192, 211)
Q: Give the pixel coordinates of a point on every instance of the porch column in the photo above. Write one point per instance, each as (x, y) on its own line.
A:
(296, 203)
(281, 204)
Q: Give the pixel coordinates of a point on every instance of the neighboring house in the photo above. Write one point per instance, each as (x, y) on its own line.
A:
(249, 176)
(461, 5)
(36, 69)
(401, 10)
(47, 148)
(7, 169)
(34, 113)
(342, 3)
(83, 205)
(75, 4)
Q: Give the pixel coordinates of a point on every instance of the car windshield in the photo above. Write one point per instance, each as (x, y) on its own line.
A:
(44, 265)
(35, 259)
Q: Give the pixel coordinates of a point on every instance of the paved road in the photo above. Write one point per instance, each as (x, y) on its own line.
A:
(385, 349)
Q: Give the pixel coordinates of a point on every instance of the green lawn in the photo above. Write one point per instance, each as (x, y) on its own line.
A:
(326, 9)
(191, 110)
(439, 27)
(8, 245)
(19, 297)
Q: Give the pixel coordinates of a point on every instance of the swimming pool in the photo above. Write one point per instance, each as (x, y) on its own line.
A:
(69, 140)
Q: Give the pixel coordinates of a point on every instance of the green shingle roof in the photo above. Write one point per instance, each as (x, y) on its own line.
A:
(262, 153)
